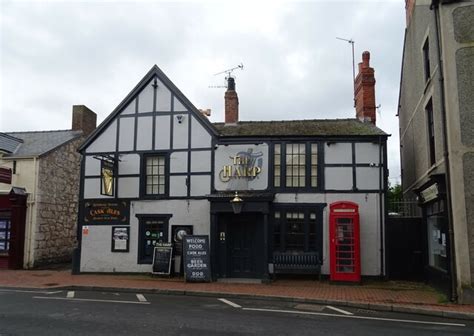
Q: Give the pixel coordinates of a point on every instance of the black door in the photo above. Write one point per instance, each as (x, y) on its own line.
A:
(405, 248)
(241, 246)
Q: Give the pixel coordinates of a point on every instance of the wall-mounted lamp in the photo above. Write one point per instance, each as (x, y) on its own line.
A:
(237, 203)
(180, 118)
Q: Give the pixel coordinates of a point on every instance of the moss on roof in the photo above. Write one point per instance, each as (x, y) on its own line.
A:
(314, 127)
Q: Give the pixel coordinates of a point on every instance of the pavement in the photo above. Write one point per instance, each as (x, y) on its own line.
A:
(396, 296)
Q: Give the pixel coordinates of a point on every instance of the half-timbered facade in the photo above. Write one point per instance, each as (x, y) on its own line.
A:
(157, 165)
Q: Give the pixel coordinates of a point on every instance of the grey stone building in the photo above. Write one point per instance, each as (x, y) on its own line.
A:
(436, 116)
(39, 189)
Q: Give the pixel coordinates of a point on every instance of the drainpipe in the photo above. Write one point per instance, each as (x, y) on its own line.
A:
(31, 206)
(382, 163)
(452, 251)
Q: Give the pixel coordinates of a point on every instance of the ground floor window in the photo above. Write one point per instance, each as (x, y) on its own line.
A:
(152, 230)
(297, 229)
(5, 228)
(437, 235)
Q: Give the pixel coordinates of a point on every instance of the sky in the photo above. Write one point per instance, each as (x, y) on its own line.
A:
(55, 54)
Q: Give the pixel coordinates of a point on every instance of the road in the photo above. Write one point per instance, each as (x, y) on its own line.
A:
(50, 312)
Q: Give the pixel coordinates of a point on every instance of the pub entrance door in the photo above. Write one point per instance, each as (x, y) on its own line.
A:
(240, 251)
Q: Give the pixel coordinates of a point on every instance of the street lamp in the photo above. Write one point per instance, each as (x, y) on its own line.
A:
(236, 203)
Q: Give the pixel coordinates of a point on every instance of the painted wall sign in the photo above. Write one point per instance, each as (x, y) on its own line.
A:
(197, 266)
(107, 212)
(430, 193)
(162, 255)
(241, 167)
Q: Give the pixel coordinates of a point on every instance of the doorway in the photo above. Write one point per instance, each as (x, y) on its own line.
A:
(240, 251)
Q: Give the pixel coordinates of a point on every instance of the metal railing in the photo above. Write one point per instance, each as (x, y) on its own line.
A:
(404, 208)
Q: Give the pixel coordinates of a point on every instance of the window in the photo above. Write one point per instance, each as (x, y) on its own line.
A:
(295, 165)
(426, 59)
(5, 228)
(298, 229)
(431, 137)
(106, 178)
(152, 230)
(155, 177)
(437, 236)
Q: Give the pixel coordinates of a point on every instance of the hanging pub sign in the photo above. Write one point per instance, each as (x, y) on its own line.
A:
(106, 212)
(197, 266)
(162, 255)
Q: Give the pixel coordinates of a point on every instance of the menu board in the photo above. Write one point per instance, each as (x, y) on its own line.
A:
(162, 255)
(197, 266)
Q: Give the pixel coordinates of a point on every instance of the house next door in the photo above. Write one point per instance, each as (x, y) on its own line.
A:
(240, 246)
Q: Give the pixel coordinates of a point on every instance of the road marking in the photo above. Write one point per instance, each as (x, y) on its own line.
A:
(90, 300)
(28, 291)
(355, 317)
(141, 298)
(345, 312)
(70, 294)
(230, 303)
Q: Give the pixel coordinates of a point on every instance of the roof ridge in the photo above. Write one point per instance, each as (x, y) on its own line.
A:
(47, 131)
(289, 120)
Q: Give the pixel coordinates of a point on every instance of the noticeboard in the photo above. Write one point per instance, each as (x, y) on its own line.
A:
(196, 259)
(162, 255)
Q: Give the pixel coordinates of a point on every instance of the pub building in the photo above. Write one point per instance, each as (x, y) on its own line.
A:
(293, 196)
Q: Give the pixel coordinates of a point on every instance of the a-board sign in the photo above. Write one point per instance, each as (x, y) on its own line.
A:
(197, 266)
(162, 255)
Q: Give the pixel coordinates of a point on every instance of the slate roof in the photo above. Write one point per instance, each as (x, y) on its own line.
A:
(8, 143)
(39, 143)
(313, 127)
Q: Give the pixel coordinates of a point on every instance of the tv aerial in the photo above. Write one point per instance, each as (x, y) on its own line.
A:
(352, 42)
(228, 73)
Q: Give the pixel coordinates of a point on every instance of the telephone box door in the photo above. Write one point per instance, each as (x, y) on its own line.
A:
(344, 242)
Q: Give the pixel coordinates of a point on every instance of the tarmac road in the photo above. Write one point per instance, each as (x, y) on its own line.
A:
(60, 312)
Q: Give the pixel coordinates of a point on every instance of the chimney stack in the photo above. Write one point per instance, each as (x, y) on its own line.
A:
(83, 119)
(231, 103)
(364, 90)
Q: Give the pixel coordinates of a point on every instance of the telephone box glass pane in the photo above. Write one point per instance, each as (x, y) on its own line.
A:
(344, 240)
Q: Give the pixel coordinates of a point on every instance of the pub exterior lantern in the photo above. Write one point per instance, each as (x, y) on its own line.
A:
(237, 203)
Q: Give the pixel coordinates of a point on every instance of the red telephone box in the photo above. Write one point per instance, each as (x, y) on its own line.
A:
(344, 240)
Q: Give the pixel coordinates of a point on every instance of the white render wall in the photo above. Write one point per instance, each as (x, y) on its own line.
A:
(96, 255)
(369, 212)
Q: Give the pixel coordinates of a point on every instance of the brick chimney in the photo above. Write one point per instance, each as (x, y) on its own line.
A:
(231, 103)
(83, 119)
(409, 4)
(364, 90)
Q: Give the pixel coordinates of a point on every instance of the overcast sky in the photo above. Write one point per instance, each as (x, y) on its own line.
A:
(55, 54)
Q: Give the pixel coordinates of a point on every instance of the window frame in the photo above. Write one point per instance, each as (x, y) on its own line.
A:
(6, 217)
(143, 175)
(307, 210)
(430, 132)
(142, 218)
(308, 165)
(426, 59)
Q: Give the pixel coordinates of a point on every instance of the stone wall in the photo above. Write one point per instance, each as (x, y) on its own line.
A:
(57, 204)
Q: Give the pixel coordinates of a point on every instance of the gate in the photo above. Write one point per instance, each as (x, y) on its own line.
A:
(406, 248)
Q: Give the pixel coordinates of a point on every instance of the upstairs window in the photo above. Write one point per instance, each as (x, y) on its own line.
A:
(295, 165)
(431, 136)
(155, 176)
(426, 59)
